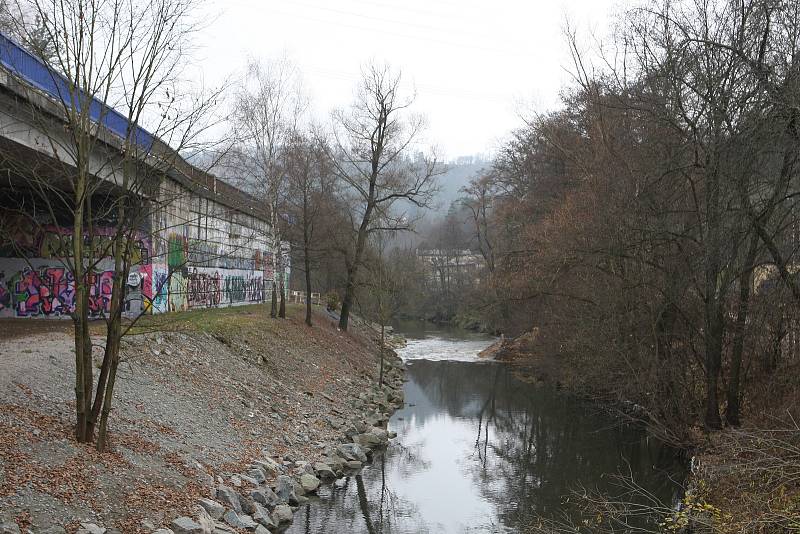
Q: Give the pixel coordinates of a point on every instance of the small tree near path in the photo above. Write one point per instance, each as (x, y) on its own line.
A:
(120, 57)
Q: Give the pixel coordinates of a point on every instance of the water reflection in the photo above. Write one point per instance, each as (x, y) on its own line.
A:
(480, 451)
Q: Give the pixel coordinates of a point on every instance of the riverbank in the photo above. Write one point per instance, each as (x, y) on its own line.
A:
(742, 479)
(220, 404)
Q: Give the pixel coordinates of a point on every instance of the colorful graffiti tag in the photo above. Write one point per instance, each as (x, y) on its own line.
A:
(50, 291)
(160, 290)
(184, 274)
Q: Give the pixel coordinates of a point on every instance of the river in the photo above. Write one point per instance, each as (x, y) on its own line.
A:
(480, 451)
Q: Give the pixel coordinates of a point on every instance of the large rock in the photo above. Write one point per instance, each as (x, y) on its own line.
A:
(324, 471)
(304, 467)
(380, 433)
(299, 490)
(257, 475)
(262, 530)
(55, 529)
(163, 531)
(261, 516)
(282, 515)
(336, 463)
(229, 498)
(204, 519)
(351, 451)
(367, 441)
(285, 490)
(214, 509)
(271, 467)
(310, 483)
(265, 496)
(186, 525)
(239, 520)
(91, 528)
(8, 526)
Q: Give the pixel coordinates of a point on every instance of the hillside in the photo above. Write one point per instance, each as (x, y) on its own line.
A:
(199, 397)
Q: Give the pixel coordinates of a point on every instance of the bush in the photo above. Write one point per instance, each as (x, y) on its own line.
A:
(332, 301)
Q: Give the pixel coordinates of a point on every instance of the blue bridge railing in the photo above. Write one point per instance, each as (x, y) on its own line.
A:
(38, 74)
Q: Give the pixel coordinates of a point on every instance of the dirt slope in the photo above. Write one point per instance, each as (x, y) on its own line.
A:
(199, 395)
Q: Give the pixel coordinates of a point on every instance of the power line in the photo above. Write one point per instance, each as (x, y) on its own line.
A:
(385, 32)
(425, 88)
(392, 21)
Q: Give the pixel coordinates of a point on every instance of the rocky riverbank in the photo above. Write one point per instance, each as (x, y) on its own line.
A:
(224, 421)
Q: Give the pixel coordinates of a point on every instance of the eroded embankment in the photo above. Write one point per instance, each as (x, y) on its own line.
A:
(227, 405)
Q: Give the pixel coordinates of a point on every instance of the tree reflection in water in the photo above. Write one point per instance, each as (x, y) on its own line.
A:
(480, 451)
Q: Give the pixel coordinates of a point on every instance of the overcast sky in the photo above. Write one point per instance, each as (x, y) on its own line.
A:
(473, 63)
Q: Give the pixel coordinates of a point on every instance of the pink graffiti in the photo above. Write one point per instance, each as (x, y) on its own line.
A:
(50, 291)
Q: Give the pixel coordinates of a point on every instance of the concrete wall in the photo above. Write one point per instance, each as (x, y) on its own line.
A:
(198, 253)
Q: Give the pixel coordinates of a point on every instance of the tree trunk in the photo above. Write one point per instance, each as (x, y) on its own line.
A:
(307, 265)
(347, 301)
(732, 412)
(713, 360)
(113, 324)
(80, 315)
(282, 308)
(273, 312)
(102, 436)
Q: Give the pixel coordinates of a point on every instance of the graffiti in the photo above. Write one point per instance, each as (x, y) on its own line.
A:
(174, 273)
(58, 244)
(204, 289)
(177, 292)
(5, 296)
(235, 289)
(20, 235)
(27, 239)
(254, 289)
(241, 289)
(159, 290)
(176, 251)
(202, 253)
(269, 268)
(100, 288)
(50, 292)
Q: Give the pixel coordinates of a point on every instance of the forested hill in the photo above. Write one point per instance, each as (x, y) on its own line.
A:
(457, 175)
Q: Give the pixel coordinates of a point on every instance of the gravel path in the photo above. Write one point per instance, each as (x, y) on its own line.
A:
(191, 404)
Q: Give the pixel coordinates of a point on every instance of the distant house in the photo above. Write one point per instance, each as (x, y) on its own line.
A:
(450, 269)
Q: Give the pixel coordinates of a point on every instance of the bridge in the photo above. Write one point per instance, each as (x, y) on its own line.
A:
(205, 243)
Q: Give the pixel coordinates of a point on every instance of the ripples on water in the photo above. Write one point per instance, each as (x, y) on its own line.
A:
(480, 451)
(438, 349)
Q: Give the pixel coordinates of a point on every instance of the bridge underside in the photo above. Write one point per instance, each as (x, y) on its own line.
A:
(36, 237)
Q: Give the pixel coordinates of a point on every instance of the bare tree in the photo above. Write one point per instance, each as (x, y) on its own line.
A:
(373, 144)
(101, 55)
(308, 171)
(270, 104)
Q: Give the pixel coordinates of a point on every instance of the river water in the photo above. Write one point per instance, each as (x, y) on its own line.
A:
(481, 451)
